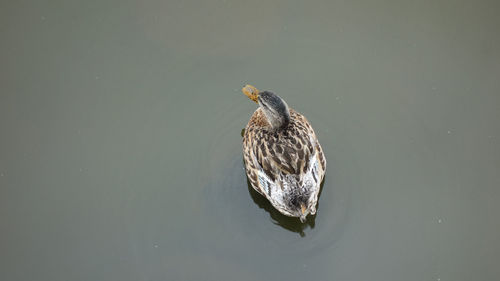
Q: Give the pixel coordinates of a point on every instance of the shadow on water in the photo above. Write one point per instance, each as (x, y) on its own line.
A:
(289, 223)
(228, 205)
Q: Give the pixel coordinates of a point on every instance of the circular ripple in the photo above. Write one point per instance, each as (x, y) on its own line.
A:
(235, 206)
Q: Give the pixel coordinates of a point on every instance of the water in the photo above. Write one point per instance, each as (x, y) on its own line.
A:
(120, 155)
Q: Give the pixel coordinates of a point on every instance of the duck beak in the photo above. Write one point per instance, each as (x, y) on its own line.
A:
(251, 92)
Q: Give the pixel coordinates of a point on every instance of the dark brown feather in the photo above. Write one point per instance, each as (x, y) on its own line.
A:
(288, 150)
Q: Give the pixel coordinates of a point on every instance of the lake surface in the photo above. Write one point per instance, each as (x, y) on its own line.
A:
(120, 148)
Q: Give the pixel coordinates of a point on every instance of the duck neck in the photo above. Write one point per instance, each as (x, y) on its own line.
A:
(280, 121)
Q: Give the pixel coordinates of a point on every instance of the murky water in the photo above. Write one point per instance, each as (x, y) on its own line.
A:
(120, 155)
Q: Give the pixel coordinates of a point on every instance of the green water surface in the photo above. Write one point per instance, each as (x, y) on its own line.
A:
(120, 147)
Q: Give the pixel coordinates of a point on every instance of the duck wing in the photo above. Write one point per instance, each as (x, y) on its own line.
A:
(290, 156)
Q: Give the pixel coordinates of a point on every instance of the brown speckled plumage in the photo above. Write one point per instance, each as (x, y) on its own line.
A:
(287, 165)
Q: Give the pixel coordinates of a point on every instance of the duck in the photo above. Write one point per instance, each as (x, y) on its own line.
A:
(283, 159)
